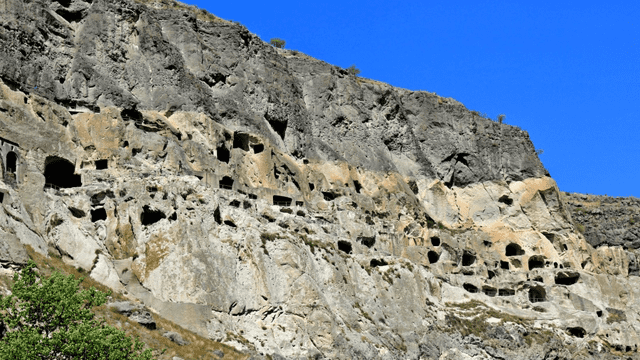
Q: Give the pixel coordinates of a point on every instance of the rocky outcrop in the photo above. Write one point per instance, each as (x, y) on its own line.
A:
(608, 221)
(276, 203)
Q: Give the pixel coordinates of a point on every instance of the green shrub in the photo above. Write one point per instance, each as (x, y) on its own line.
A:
(353, 70)
(279, 43)
(50, 318)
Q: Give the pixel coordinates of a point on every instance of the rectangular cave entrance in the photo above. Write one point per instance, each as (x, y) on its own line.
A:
(226, 183)
(282, 200)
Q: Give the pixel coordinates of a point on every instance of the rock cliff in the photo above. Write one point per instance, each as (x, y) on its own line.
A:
(272, 201)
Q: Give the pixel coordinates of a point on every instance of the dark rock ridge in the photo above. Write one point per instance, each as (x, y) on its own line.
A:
(86, 55)
(608, 221)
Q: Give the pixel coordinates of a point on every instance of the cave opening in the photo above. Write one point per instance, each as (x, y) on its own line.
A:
(567, 278)
(241, 141)
(433, 257)
(280, 127)
(504, 265)
(329, 195)
(468, 258)
(489, 291)
(223, 154)
(311, 187)
(226, 183)
(60, 173)
(377, 262)
(257, 148)
(344, 246)
(577, 331)
(12, 162)
(505, 200)
(435, 241)
(98, 214)
(367, 241)
(536, 261)
(357, 185)
(151, 216)
(537, 294)
(470, 288)
(506, 292)
(513, 250)
(282, 200)
(216, 216)
(102, 164)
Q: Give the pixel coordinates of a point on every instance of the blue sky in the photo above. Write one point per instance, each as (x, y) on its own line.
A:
(568, 72)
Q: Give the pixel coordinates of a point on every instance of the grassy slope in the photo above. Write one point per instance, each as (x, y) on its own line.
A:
(163, 348)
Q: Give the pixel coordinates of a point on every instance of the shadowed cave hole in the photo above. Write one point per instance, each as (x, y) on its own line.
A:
(60, 172)
(241, 141)
(235, 203)
(506, 292)
(537, 294)
(329, 195)
(70, 16)
(257, 148)
(567, 278)
(102, 164)
(504, 265)
(223, 154)
(230, 223)
(226, 183)
(367, 241)
(489, 291)
(577, 331)
(282, 200)
(344, 246)
(490, 274)
(77, 213)
(12, 161)
(536, 261)
(468, 259)
(357, 185)
(151, 216)
(435, 241)
(280, 127)
(311, 186)
(470, 288)
(377, 262)
(216, 216)
(98, 214)
(505, 200)
(131, 114)
(433, 257)
(513, 250)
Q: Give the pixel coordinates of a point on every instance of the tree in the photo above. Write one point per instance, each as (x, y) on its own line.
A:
(501, 118)
(279, 43)
(50, 318)
(353, 70)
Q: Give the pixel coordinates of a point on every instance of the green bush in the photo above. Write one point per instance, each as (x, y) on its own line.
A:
(50, 318)
(279, 43)
(353, 70)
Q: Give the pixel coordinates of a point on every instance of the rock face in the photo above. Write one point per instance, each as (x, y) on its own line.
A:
(278, 204)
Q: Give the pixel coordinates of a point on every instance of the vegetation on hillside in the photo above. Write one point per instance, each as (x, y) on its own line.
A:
(49, 317)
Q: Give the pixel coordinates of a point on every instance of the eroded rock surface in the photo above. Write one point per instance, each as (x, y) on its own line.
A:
(276, 203)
